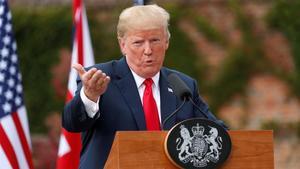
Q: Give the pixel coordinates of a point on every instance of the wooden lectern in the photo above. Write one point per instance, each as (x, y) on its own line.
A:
(145, 149)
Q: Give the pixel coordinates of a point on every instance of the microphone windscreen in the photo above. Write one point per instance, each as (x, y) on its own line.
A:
(180, 89)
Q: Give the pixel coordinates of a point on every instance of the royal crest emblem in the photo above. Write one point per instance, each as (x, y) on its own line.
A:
(199, 145)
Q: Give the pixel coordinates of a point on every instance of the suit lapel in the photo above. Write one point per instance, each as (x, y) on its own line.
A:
(125, 82)
(127, 86)
(168, 100)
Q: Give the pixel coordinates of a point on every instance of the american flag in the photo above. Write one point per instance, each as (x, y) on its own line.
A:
(70, 143)
(15, 144)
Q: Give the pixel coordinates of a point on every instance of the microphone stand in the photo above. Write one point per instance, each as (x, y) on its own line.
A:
(172, 114)
(189, 98)
(198, 108)
(220, 122)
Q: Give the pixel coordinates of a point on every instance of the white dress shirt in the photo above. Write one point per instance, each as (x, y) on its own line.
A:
(92, 108)
(155, 89)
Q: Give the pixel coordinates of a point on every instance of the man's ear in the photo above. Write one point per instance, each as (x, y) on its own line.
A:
(122, 45)
(167, 44)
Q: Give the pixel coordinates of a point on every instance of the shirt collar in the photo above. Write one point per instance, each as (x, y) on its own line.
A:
(140, 80)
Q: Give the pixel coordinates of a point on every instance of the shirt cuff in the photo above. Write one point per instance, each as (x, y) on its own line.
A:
(90, 107)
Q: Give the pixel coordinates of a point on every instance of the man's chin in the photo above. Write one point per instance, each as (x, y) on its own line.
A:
(149, 74)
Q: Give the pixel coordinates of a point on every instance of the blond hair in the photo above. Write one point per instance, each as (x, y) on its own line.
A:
(143, 18)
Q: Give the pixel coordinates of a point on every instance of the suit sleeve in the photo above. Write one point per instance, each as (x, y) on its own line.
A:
(75, 117)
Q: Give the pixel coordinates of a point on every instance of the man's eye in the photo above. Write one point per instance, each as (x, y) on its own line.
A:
(155, 40)
(137, 42)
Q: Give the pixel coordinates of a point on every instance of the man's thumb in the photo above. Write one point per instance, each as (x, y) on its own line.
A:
(79, 68)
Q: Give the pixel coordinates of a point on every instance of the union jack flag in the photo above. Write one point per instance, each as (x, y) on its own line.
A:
(15, 144)
(82, 53)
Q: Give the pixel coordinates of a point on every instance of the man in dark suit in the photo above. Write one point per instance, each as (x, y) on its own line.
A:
(131, 93)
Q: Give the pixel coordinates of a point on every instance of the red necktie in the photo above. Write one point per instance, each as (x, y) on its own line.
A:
(150, 108)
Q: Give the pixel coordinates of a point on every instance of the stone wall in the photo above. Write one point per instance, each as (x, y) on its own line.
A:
(267, 97)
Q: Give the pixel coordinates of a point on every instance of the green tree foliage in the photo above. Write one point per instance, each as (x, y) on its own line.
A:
(241, 63)
(181, 54)
(40, 34)
(209, 31)
(103, 33)
(284, 17)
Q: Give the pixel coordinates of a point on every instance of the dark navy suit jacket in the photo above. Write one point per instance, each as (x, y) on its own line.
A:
(121, 109)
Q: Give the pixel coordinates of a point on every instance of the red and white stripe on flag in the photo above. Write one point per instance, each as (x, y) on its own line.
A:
(15, 144)
(82, 52)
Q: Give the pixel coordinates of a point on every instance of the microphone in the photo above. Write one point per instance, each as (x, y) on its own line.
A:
(182, 91)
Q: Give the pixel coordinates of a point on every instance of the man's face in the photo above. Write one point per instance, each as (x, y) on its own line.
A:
(145, 50)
